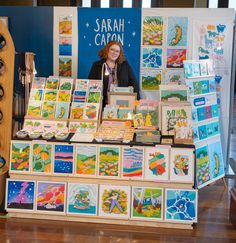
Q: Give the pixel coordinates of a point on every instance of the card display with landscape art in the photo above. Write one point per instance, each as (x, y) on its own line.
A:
(82, 199)
(109, 161)
(36, 94)
(50, 95)
(20, 195)
(34, 108)
(64, 96)
(66, 83)
(175, 57)
(86, 160)
(38, 83)
(65, 67)
(48, 109)
(52, 83)
(77, 111)
(147, 203)
(62, 110)
(173, 93)
(65, 24)
(94, 97)
(114, 201)
(42, 157)
(132, 162)
(81, 84)
(83, 127)
(181, 205)
(151, 79)
(157, 163)
(95, 85)
(181, 164)
(79, 96)
(91, 111)
(174, 76)
(65, 45)
(50, 197)
(20, 156)
(63, 158)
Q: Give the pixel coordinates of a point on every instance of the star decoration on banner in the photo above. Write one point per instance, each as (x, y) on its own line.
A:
(129, 45)
(87, 24)
(134, 34)
(84, 36)
(129, 22)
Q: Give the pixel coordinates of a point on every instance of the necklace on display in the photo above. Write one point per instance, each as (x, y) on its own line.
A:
(110, 64)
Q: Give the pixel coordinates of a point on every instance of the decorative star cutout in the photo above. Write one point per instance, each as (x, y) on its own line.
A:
(84, 36)
(129, 45)
(129, 22)
(87, 24)
(89, 44)
(134, 34)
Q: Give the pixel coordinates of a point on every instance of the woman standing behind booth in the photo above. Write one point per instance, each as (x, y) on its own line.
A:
(113, 69)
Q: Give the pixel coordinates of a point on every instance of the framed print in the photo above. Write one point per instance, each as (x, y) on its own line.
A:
(50, 197)
(122, 99)
(152, 57)
(114, 201)
(82, 199)
(182, 165)
(42, 154)
(20, 195)
(157, 163)
(85, 160)
(151, 79)
(63, 158)
(173, 93)
(147, 203)
(132, 162)
(20, 156)
(181, 205)
(109, 161)
(175, 57)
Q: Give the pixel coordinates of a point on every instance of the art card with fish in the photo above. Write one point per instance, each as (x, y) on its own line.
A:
(177, 32)
(202, 166)
(52, 83)
(50, 95)
(181, 165)
(42, 158)
(65, 66)
(82, 199)
(114, 201)
(79, 96)
(20, 195)
(174, 76)
(91, 111)
(63, 159)
(62, 110)
(38, 83)
(65, 24)
(20, 155)
(109, 161)
(51, 197)
(64, 96)
(175, 58)
(151, 79)
(216, 160)
(147, 203)
(48, 109)
(181, 205)
(152, 57)
(153, 30)
(86, 160)
(34, 108)
(65, 45)
(36, 94)
(66, 83)
(132, 162)
(157, 163)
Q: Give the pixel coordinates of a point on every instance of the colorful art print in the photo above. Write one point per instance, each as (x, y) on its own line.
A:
(62, 110)
(48, 109)
(36, 94)
(175, 58)
(66, 84)
(202, 132)
(95, 85)
(174, 116)
(203, 68)
(82, 199)
(77, 111)
(126, 100)
(201, 114)
(65, 25)
(208, 112)
(82, 127)
(114, 201)
(181, 165)
(50, 95)
(42, 158)
(63, 158)
(181, 205)
(20, 156)
(215, 111)
(205, 86)
(188, 69)
(86, 160)
(194, 115)
(175, 76)
(94, 97)
(197, 87)
(156, 163)
(151, 79)
(81, 84)
(216, 160)
(215, 128)
(50, 197)
(138, 120)
(196, 69)
(109, 161)
(34, 108)
(195, 134)
(52, 83)
(38, 83)
(209, 129)
(124, 113)
(91, 111)
(202, 166)
(65, 45)
(177, 33)
(132, 162)
(64, 96)
(20, 195)
(65, 67)
(79, 96)
(110, 112)
(147, 203)
(152, 57)
(173, 93)
(212, 84)
(150, 118)
(153, 30)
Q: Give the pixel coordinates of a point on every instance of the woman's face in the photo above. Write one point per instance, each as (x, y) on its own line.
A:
(113, 53)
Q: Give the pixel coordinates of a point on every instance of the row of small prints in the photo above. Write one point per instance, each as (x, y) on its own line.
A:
(113, 201)
(160, 163)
